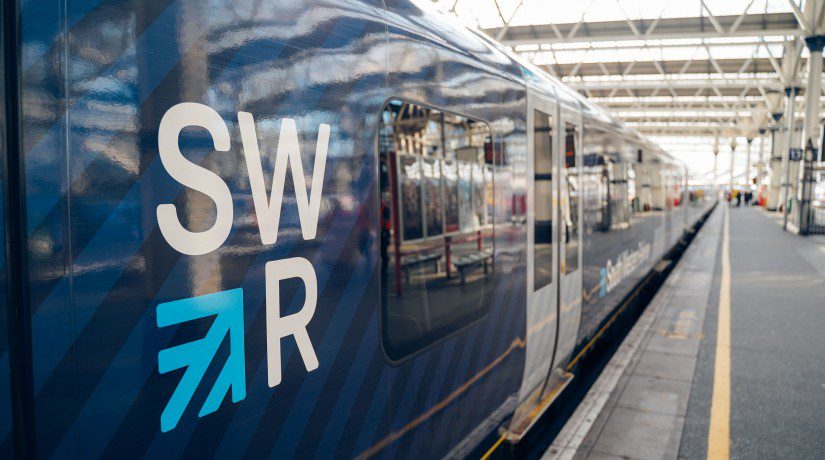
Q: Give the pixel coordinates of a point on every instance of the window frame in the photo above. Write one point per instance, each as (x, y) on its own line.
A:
(551, 184)
(438, 335)
(577, 146)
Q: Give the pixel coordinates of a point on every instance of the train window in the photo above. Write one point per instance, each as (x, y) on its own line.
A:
(436, 225)
(632, 190)
(542, 199)
(571, 208)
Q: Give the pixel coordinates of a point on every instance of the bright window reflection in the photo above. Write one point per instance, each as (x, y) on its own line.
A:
(436, 225)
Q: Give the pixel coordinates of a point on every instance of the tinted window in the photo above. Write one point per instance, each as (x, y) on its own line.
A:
(570, 209)
(543, 199)
(436, 229)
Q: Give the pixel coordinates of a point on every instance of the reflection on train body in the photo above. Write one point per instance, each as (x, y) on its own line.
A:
(436, 245)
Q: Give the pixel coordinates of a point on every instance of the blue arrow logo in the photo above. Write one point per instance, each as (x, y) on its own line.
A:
(227, 307)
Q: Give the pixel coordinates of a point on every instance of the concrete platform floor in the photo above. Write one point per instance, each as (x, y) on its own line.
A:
(657, 403)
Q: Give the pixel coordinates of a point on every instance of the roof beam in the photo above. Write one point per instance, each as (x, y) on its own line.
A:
(657, 20)
(506, 22)
(697, 68)
(675, 84)
(799, 15)
(747, 25)
(651, 43)
(714, 22)
(741, 18)
(612, 102)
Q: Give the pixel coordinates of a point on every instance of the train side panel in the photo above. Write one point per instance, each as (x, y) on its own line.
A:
(634, 213)
(121, 306)
(441, 396)
(6, 447)
(117, 299)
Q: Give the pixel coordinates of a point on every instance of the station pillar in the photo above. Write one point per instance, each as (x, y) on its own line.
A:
(760, 171)
(774, 161)
(810, 142)
(762, 141)
(790, 115)
(748, 164)
(813, 91)
(732, 154)
(715, 169)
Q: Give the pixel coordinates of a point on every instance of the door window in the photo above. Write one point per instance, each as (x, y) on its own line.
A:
(542, 199)
(570, 209)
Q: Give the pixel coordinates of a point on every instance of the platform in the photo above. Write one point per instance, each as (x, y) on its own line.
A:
(672, 376)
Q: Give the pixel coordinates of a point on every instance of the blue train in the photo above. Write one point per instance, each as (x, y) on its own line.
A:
(348, 228)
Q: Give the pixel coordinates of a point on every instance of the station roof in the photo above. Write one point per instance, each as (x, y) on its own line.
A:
(707, 70)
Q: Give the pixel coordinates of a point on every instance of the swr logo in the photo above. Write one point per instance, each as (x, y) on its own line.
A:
(227, 306)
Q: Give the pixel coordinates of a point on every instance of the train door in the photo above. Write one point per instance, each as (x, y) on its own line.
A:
(569, 244)
(542, 260)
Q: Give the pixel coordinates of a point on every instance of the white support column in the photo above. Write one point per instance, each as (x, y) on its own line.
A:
(761, 170)
(790, 93)
(748, 164)
(810, 137)
(715, 170)
(762, 132)
(790, 73)
(812, 91)
(773, 171)
(732, 154)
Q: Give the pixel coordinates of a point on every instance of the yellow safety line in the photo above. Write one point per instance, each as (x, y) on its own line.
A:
(493, 449)
(719, 429)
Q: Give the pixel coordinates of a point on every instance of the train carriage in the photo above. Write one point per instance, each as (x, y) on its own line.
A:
(302, 229)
